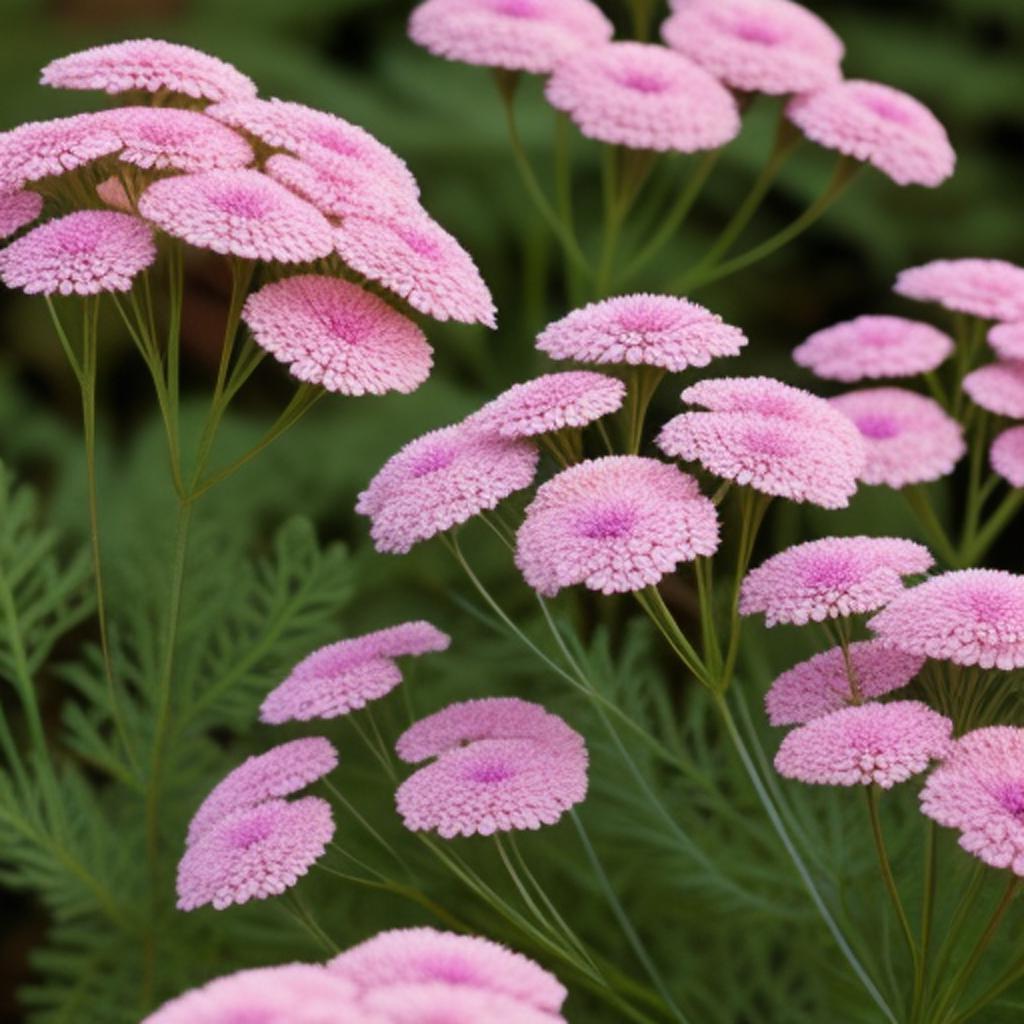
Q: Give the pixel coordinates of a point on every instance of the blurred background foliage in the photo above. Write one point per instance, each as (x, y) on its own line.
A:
(732, 927)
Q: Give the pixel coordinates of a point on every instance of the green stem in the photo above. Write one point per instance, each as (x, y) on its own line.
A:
(994, 526)
(979, 451)
(628, 929)
(844, 173)
(805, 876)
(506, 87)
(653, 604)
(928, 888)
(917, 498)
(65, 342)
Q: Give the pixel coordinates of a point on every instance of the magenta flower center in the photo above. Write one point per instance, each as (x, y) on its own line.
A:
(451, 970)
(886, 109)
(76, 242)
(239, 202)
(343, 325)
(877, 426)
(609, 523)
(989, 607)
(336, 142)
(835, 573)
(517, 8)
(774, 443)
(753, 31)
(431, 460)
(1011, 797)
(639, 80)
(249, 832)
(490, 772)
(420, 244)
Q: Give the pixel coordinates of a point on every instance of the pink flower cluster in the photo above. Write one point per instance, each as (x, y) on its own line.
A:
(246, 842)
(770, 436)
(500, 764)
(345, 676)
(404, 976)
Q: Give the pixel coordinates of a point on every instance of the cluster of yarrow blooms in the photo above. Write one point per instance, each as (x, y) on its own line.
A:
(682, 96)
(403, 976)
(212, 165)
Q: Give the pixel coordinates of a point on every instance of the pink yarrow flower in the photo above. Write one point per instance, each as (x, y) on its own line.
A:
(18, 209)
(287, 994)
(281, 771)
(445, 1003)
(869, 744)
(831, 578)
(615, 524)
(45, 149)
(643, 96)
(345, 190)
(254, 852)
(345, 676)
(870, 347)
(979, 790)
(159, 138)
(493, 784)
(423, 956)
(441, 480)
(1007, 456)
(770, 46)
(239, 213)
(553, 402)
(831, 680)
(1007, 340)
(488, 718)
(324, 140)
(83, 253)
(656, 330)
(149, 65)
(767, 435)
(418, 260)
(968, 617)
(910, 439)
(877, 124)
(998, 387)
(519, 35)
(330, 332)
(990, 289)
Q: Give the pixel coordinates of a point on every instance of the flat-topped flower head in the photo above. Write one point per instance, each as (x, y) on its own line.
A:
(444, 1003)
(519, 35)
(969, 617)
(423, 956)
(872, 347)
(655, 330)
(322, 139)
(149, 65)
(82, 253)
(440, 480)
(254, 853)
(159, 138)
(287, 994)
(345, 676)
(17, 209)
(990, 289)
(614, 524)
(487, 718)
(770, 46)
(238, 213)
(1006, 456)
(877, 124)
(414, 257)
(330, 332)
(998, 387)
(864, 745)
(44, 149)
(1007, 340)
(552, 402)
(770, 436)
(497, 785)
(829, 681)
(979, 790)
(831, 578)
(910, 439)
(344, 190)
(281, 771)
(643, 96)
